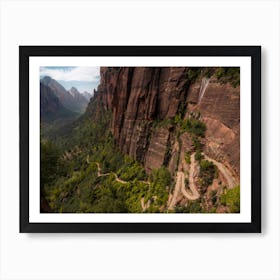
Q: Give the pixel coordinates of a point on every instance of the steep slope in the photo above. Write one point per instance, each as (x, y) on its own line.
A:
(87, 95)
(78, 98)
(51, 110)
(142, 97)
(153, 139)
(160, 115)
(76, 102)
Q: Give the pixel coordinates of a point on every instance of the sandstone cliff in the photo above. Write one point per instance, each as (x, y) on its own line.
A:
(143, 99)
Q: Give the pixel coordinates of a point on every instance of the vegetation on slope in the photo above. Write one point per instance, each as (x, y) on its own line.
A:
(231, 199)
(79, 188)
(208, 172)
(222, 74)
(85, 172)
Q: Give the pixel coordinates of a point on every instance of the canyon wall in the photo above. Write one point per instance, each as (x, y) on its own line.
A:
(141, 99)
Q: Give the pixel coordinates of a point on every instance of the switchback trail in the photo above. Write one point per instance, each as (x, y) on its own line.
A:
(100, 174)
(226, 173)
(143, 205)
(195, 194)
(180, 185)
(192, 193)
(176, 191)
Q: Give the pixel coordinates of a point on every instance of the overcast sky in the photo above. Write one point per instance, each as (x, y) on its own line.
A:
(82, 78)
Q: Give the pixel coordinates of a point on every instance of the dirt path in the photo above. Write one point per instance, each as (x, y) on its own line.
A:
(195, 194)
(192, 193)
(100, 174)
(99, 170)
(226, 173)
(145, 182)
(180, 187)
(119, 180)
(176, 191)
(143, 205)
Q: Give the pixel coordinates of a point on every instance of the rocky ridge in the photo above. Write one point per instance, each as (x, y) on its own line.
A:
(140, 97)
(72, 100)
(145, 103)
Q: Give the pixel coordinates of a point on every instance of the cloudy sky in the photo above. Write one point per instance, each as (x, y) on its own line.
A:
(82, 78)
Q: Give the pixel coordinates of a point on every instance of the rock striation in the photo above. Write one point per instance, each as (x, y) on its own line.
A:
(142, 99)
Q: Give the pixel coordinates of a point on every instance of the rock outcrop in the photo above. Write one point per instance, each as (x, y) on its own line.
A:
(220, 111)
(143, 99)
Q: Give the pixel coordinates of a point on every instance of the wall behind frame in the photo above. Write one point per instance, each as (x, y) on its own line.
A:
(135, 256)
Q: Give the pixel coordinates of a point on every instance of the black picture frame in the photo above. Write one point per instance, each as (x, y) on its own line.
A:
(252, 51)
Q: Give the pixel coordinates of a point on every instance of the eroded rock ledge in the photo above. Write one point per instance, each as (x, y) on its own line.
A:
(141, 99)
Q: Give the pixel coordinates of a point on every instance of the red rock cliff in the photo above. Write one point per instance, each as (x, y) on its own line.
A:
(138, 97)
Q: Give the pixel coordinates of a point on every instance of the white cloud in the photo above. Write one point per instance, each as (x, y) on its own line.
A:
(86, 74)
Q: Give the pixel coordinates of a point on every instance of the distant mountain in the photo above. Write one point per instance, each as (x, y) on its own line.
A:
(51, 109)
(72, 100)
(74, 92)
(87, 95)
(79, 98)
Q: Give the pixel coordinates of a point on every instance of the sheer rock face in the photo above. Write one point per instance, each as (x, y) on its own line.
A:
(139, 97)
(220, 110)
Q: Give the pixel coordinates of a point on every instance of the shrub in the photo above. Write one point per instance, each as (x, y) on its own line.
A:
(188, 157)
(231, 199)
(213, 210)
(198, 156)
(132, 170)
(164, 123)
(213, 197)
(161, 176)
(161, 182)
(192, 207)
(208, 171)
(196, 143)
(193, 73)
(228, 75)
(49, 159)
(195, 127)
(178, 119)
(187, 182)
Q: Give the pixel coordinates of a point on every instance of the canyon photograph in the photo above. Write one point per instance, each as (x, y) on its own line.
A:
(139, 139)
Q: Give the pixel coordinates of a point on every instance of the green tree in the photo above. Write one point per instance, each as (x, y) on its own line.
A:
(208, 171)
(49, 156)
(231, 199)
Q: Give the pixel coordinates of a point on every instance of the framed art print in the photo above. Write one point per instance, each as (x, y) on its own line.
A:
(140, 138)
